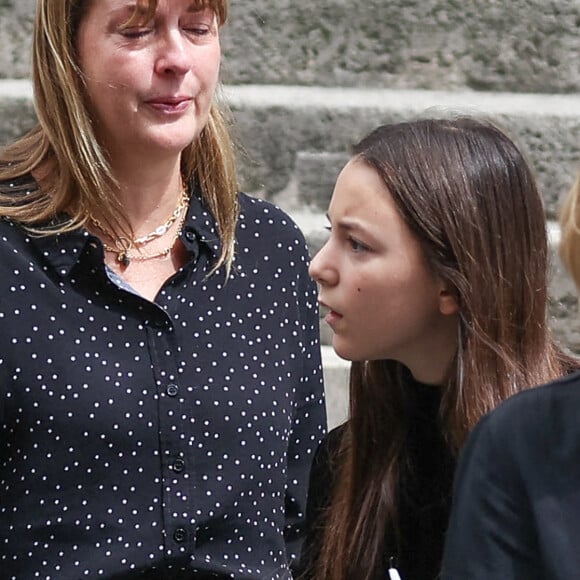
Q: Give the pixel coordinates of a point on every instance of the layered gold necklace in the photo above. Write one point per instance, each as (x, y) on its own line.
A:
(129, 250)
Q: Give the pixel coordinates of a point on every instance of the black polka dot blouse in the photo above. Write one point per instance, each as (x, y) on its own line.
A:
(157, 440)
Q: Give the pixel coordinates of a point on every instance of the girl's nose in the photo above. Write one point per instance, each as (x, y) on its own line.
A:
(322, 269)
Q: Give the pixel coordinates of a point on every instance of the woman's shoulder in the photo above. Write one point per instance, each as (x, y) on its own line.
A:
(262, 216)
(14, 192)
(15, 185)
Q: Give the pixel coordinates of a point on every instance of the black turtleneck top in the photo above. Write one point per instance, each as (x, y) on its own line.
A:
(424, 493)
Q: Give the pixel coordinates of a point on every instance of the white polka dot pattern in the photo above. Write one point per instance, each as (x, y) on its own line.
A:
(166, 440)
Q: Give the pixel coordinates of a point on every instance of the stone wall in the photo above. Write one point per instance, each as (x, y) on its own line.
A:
(492, 45)
(495, 45)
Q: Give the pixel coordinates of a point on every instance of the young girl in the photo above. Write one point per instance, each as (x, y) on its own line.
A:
(435, 282)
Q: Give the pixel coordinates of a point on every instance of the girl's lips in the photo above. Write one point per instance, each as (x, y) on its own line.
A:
(332, 317)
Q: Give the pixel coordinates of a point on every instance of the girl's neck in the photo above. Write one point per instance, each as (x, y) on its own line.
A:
(434, 365)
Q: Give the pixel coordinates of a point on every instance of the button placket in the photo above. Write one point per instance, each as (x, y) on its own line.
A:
(173, 432)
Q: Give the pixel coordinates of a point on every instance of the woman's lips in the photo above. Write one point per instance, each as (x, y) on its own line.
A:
(171, 105)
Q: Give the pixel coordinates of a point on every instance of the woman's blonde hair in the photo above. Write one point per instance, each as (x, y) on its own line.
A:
(76, 176)
(570, 226)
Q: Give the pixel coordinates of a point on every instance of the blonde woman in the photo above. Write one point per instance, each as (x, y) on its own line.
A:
(160, 383)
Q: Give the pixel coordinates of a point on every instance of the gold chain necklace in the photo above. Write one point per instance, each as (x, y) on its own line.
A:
(124, 245)
(125, 258)
(157, 232)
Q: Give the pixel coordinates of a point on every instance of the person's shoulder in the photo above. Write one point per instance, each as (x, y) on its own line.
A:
(547, 398)
(264, 216)
(13, 190)
(10, 232)
(543, 414)
(332, 439)
(325, 462)
(328, 449)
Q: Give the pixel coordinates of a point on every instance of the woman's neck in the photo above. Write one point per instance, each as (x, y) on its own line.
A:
(149, 195)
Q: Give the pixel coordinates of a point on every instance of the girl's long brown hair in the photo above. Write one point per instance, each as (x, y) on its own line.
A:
(76, 175)
(469, 196)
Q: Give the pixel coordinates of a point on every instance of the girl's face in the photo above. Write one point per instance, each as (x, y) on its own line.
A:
(150, 86)
(384, 301)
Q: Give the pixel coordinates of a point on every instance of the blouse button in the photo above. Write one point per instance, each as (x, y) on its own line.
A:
(178, 465)
(189, 235)
(179, 535)
(172, 390)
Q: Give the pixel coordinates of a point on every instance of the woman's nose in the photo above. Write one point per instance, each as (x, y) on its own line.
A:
(173, 56)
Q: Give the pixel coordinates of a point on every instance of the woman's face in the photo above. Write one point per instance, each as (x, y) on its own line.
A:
(150, 86)
(384, 301)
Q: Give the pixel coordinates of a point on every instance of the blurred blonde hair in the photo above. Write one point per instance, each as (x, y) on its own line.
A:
(62, 149)
(570, 226)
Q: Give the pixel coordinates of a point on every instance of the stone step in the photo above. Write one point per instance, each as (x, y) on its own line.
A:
(297, 138)
(295, 134)
(336, 374)
(518, 45)
(315, 175)
(294, 138)
(314, 127)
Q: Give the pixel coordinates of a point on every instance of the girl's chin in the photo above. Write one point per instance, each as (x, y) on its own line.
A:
(343, 350)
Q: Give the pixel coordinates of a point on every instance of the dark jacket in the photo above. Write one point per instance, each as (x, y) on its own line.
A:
(516, 513)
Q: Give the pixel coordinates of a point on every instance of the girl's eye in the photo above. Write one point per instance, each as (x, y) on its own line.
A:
(357, 246)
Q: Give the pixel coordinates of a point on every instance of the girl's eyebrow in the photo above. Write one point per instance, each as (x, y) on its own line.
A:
(347, 224)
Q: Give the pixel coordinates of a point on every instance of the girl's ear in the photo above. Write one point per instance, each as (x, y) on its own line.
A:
(448, 303)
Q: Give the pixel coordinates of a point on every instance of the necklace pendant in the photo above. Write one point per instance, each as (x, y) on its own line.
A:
(124, 259)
